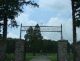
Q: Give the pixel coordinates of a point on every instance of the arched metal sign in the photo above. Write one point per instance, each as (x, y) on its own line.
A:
(43, 29)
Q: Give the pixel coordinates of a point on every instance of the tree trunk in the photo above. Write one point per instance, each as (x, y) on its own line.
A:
(3, 41)
(74, 29)
(5, 28)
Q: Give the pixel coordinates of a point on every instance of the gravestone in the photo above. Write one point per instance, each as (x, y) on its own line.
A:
(77, 52)
(19, 50)
(62, 50)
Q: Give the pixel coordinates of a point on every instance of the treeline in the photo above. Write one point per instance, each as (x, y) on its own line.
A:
(35, 43)
(48, 46)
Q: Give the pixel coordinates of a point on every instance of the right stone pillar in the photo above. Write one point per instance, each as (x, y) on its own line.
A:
(78, 52)
(62, 50)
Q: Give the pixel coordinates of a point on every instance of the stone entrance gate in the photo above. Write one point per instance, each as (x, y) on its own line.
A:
(62, 45)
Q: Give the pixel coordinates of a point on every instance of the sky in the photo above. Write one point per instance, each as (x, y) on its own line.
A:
(49, 13)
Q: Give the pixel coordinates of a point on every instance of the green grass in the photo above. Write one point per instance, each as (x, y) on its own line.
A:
(28, 56)
(53, 56)
(71, 57)
(10, 57)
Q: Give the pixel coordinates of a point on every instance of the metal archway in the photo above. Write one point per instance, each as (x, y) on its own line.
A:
(44, 29)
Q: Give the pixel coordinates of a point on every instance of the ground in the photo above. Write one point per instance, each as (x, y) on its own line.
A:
(40, 58)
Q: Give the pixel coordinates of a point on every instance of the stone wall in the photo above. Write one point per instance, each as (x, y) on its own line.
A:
(62, 50)
(19, 50)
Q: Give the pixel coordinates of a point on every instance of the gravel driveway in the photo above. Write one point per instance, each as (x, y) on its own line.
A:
(41, 58)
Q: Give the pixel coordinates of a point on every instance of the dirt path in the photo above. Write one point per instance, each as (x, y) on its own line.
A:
(41, 58)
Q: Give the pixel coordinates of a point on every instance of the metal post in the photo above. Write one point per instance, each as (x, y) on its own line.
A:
(61, 33)
(20, 31)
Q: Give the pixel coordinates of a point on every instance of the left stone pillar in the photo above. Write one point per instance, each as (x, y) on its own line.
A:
(19, 50)
(3, 44)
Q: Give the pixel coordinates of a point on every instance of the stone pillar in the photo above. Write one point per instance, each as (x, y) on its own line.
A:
(19, 50)
(3, 45)
(77, 52)
(62, 50)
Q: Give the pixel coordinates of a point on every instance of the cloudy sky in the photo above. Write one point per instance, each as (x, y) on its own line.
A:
(49, 13)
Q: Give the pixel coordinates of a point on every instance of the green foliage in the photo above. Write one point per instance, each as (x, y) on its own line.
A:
(35, 42)
(11, 45)
(34, 38)
(49, 46)
(77, 12)
(29, 56)
(9, 9)
(37, 38)
(10, 57)
(29, 34)
(37, 33)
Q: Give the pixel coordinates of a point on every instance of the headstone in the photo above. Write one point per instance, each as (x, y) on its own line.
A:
(19, 50)
(62, 50)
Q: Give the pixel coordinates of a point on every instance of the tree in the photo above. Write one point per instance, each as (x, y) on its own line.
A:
(34, 37)
(76, 21)
(77, 13)
(49, 46)
(37, 32)
(75, 17)
(9, 9)
(29, 37)
(29, 34)
(38, 38)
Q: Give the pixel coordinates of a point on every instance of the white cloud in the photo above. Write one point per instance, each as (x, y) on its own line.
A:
(57, 5)
(61, 8)
(24, 19)
(55, 21)
(12, 35)
(67, 28)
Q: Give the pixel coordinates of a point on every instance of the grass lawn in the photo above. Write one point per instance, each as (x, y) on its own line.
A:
(10, 57)
(53, 56)
(29, 56)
